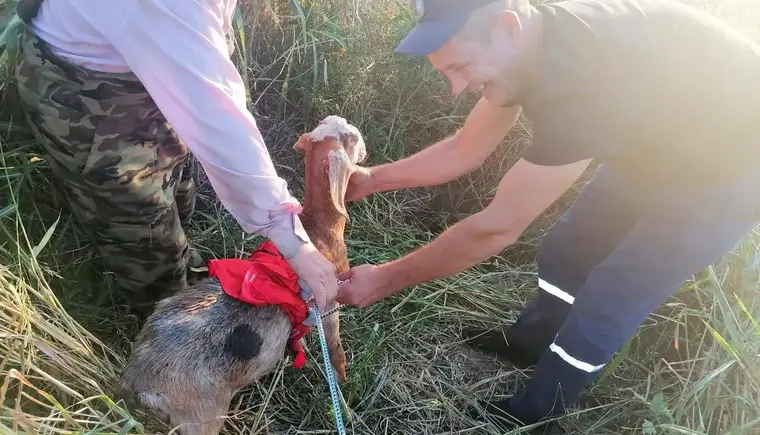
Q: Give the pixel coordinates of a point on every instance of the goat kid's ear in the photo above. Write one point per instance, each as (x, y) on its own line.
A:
(354, 145)
(304, 143)
(339, 169)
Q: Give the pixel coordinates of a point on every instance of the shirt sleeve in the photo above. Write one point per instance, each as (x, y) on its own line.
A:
(566, 132)
(178, 49)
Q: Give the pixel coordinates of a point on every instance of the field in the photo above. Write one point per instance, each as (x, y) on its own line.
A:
(693, 368)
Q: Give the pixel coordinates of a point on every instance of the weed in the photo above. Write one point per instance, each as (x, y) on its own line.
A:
(64, 333)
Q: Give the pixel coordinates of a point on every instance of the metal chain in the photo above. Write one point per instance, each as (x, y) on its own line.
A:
(334, 309)
(331, 310)
(331, 382)
(316, 318)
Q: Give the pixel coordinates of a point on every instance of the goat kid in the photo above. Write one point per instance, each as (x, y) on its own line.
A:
(201, 346)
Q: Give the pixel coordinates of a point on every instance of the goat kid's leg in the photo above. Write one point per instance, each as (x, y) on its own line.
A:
(335, 346)
(191, 426)
(204, 416)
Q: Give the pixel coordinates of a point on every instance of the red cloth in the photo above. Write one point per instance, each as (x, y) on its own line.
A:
(265, 278)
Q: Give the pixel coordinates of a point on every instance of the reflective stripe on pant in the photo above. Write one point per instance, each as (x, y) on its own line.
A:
(674, 234)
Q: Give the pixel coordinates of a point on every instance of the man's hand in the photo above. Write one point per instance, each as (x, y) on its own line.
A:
(360, 184)
(318, 273)
(364, 285)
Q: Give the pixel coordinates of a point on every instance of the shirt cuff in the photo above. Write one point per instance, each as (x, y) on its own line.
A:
(288, 235)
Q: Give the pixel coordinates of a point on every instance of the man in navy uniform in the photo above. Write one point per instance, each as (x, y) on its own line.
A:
(664, 96)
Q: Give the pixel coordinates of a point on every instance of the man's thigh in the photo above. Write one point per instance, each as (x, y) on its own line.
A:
(604, 213)
(682, 233)
(678, 236)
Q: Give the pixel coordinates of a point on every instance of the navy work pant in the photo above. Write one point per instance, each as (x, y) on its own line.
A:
(612, 259)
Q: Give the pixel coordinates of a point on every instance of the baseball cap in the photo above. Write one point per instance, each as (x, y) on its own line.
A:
(437, 22)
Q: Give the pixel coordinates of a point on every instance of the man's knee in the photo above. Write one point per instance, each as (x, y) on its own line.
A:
(542, 316)
(148, 259)
(187, 190)
(136, 227)
(602, 215)
(583, 236)
(559, 276)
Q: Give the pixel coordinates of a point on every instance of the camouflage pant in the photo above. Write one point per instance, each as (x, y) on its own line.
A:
(126, 174)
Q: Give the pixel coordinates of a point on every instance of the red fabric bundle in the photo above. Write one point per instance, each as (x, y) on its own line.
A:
(266, 279)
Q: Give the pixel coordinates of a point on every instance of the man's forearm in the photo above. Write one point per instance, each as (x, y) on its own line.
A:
(452, 157)
(437, 164)
(462, 246)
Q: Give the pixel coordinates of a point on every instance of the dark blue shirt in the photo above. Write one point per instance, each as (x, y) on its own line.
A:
(653, 87)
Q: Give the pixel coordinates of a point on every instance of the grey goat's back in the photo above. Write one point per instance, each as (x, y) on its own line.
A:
(202, 341)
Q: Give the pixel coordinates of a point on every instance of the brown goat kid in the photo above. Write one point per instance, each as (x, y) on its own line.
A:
(201, 346)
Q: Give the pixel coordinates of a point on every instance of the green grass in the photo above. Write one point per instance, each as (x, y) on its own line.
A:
(692, 368)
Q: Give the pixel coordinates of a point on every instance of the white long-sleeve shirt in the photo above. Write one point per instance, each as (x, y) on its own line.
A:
(178, 50)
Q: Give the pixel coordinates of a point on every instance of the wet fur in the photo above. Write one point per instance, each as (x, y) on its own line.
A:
(183, 365)
(199, 347)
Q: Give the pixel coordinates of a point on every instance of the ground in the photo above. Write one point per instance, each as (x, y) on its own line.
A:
(692, 368)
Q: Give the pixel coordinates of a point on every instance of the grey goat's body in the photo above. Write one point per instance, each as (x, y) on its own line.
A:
(202, 343)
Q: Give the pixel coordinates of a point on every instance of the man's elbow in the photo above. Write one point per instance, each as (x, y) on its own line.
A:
(469, 157)
(497, 230)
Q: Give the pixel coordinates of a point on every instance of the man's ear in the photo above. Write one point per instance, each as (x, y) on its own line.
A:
(507, 22)
(304, 143)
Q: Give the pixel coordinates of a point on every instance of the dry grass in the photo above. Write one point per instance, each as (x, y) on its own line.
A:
(692, 368)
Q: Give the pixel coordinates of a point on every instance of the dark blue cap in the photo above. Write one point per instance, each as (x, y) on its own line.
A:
(437, 22)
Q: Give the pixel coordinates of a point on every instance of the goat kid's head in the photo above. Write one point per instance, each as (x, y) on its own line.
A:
(336, 146)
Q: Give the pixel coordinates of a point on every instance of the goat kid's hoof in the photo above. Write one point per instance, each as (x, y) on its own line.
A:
(339, 372)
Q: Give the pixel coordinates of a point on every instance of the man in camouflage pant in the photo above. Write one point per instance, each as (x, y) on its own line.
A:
(127, 174)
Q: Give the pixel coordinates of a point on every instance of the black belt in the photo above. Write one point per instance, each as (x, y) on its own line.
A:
(28, 9)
